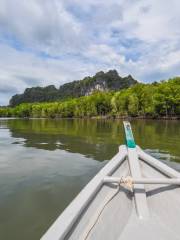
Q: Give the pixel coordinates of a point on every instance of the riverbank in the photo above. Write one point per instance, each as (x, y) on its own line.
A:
(147, 101)
(102, 117)
(138, 117)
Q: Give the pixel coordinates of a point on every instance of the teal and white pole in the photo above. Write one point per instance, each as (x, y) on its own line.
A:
(135, 169)
(129, 135)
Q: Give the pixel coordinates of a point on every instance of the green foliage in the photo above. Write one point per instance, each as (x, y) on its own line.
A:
(148, 100)
(120, 103)
(104, 81)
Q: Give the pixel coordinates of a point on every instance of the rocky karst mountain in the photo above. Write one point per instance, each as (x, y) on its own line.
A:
(109, 81)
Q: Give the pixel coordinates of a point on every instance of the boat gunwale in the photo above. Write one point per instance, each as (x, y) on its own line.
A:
(64, 223)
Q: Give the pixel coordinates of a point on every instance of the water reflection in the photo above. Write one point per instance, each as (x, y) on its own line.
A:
(36, 184)
(98, 139)
(45, 163)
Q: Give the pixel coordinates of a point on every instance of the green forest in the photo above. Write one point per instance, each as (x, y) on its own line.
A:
(107, 81)
(141, 100)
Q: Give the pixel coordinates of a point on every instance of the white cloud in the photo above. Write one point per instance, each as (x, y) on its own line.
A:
(104, 53)
(42, 25)
(19, 70)
(51, 42)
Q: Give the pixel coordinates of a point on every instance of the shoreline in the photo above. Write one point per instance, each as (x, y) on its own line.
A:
(100, 118)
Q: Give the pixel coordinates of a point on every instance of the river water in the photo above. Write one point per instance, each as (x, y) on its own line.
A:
(45, 163)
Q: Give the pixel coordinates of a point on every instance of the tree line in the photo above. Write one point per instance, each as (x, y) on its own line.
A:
(109, 81)
(141, 100)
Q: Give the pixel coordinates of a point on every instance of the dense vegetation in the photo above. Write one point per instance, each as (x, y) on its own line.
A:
(148, 100)
(101, 81)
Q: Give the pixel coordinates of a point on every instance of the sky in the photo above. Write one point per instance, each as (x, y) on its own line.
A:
(45, 42)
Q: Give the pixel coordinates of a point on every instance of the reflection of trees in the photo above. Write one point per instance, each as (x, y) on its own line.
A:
(162, 135)
(87, 137)
(98, 139)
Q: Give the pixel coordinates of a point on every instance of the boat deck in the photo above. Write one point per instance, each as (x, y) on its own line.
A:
(114, 207)
(119, 219)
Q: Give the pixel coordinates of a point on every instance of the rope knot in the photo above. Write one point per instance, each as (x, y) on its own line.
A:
(127, 181)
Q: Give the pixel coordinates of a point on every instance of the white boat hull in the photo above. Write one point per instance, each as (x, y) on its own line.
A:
(101, 212)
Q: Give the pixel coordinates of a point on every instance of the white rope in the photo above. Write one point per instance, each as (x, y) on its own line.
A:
(128, 181)
(123, 181)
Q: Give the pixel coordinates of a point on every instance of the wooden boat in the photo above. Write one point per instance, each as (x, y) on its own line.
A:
(134, 196)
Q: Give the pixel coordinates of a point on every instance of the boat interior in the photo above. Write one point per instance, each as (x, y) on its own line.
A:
(119, 219)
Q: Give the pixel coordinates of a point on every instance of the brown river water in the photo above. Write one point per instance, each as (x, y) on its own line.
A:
(45, 163)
